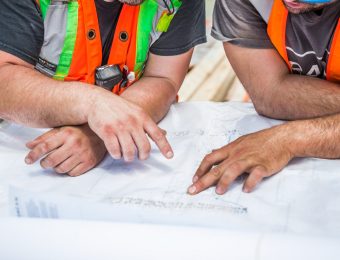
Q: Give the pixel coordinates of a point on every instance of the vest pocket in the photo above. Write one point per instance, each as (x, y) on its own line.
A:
(55, 26)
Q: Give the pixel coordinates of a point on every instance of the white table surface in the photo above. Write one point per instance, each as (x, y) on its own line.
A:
(293, 215)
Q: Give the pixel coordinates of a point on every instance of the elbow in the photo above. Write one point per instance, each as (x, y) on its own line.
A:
(264, 106)
(271, 110)
(261, 110)
(260, 103)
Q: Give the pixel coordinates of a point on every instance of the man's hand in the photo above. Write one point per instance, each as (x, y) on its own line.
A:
(124, 126)
(260, 154)
(68, 150)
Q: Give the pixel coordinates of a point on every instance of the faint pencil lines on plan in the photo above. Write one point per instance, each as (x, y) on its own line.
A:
(226, 207)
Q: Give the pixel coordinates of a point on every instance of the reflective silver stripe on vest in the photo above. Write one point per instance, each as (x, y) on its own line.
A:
(264, 7)
(55, 25)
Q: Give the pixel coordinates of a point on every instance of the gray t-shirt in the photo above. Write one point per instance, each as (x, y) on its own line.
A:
(308, 36)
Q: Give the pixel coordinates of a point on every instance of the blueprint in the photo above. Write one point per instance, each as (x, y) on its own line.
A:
(302, 199)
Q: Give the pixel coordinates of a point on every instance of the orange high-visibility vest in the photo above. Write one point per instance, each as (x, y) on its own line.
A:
(277, 32)
(72, 48)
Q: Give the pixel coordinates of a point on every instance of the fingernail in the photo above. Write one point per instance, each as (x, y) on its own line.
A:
(28, 160)
(143, 157)
(246, 190)
(192, 190)
(45, 164)
(195, 179)
(116, 156)
(219, 190)
(169, 154)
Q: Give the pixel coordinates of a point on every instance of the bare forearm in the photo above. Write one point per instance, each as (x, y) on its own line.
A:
(29, 98)
(318, 137)
(275, 92)
(299, 97)
(154, 95)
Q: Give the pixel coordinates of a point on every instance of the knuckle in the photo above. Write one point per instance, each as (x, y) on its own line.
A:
(139, 112)
(143, 116)
(32, 154)
(208, 159)
(120, 126)
(132, 121)
(43, 147)
(226, 179)
(77, 143)
(223, 185)
(158, 135)
(251, 160)
(68, 131)
(91, 161)
(108, 130)
(216, 172)
(258, 175)
(200, 171)
(236, 167)
(199, 184)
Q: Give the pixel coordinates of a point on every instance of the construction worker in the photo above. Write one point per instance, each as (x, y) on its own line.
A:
(287, 55)
(100, 72)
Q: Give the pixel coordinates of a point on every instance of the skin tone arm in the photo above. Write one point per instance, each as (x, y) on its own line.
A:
(75, 150)
(32, 99)
(278, 94)
(265, 153)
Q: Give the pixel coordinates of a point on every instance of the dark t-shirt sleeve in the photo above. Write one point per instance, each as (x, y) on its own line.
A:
(185, 32)
(239, 23)
(21, 29)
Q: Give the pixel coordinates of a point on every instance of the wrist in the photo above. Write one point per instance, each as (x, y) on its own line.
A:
(288, 138)
(89, 95)
(299, 137)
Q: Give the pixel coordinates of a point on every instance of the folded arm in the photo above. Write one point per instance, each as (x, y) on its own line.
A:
(75, 150)
(32, 99)
(275, 92)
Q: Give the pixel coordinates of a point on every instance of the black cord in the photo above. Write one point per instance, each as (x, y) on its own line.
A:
(172, 10)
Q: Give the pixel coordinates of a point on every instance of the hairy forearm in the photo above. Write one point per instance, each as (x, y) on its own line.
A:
(318, 137)
(32, 99)
(154, 95)
(298, 97)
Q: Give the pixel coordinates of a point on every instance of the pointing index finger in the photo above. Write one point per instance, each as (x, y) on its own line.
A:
(158, 136)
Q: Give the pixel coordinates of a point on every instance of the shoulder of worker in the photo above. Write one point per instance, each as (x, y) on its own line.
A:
(186, 30)
(242, 23)
(22, 29)
(263, 7)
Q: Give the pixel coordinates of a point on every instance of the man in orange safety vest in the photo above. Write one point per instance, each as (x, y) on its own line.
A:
(287, 55)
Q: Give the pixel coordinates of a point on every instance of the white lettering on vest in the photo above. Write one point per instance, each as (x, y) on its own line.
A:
(314, 71)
